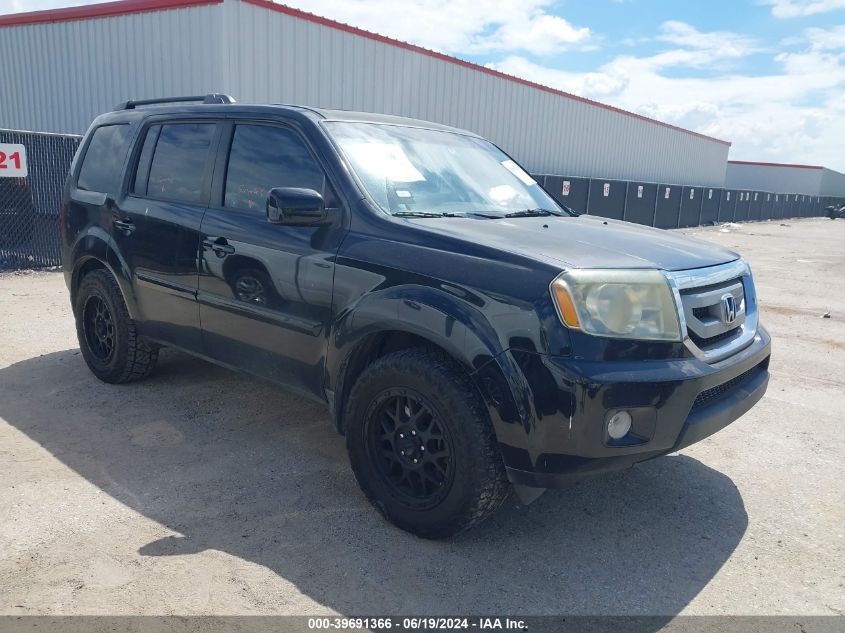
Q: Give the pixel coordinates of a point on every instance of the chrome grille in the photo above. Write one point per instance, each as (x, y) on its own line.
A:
(707, 298)
(708, 342)
(706, 324)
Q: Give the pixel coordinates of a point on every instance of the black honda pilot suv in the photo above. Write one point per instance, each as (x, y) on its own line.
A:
(469, 335)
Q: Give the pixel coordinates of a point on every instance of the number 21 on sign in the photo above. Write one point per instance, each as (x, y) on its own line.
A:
(12, 161)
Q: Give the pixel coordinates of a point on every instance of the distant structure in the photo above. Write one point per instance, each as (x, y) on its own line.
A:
(807, 179)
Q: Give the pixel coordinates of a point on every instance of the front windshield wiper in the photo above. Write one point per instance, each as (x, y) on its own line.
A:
(417, 214)
(531, 213)
(436, 214)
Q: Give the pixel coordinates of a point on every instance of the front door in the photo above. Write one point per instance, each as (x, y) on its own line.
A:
(265, 290)
(157, 227)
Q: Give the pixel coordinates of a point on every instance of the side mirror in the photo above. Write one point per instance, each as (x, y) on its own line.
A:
(292, 205)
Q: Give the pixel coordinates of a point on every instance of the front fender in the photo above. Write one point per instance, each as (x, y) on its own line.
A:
(457, 325)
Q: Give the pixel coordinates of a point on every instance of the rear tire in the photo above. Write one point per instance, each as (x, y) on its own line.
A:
(421, 445)
(107, 336)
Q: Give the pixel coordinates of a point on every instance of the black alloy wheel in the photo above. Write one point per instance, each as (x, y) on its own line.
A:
(98, 324)
(410, 447)
(421, 443)
(108, 339)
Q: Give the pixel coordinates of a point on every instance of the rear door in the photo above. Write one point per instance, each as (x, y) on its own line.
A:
(265, 290)
(156, 226)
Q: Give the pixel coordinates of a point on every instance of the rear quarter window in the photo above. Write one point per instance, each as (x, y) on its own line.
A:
(103, 161)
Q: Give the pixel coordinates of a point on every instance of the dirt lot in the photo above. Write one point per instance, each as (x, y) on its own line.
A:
(201, 491)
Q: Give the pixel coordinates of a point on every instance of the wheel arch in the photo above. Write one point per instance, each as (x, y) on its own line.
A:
(96, 248)
(90, 262)
(404, 318)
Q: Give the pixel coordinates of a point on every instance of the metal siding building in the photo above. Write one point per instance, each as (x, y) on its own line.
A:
(64, 67)
(784, 178)
(833, 183)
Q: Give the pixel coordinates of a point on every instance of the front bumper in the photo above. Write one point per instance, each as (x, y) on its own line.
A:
(674, 403)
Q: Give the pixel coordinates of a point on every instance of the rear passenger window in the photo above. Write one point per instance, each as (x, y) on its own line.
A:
(103, 160)
(263, 157)
(178, 161)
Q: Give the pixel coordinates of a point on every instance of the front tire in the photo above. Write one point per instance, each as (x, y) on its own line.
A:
(107, 337)
(421, 445)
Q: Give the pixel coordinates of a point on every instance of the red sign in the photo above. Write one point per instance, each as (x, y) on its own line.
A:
(566, 187)
(606, 189)
(639, 191)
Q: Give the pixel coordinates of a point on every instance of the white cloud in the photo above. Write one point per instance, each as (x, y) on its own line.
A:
(597, 85)
(801, 8)
(722, 44)
(459, 26)
(539, 33)
(796, 114)
(827, 39)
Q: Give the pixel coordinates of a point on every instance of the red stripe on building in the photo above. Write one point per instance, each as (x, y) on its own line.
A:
(103, 10)
(748, 162)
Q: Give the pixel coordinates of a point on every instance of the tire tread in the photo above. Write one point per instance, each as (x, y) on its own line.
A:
(141, 357)
(493, 486)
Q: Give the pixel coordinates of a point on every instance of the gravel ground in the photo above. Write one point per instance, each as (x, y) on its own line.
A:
(201, 491)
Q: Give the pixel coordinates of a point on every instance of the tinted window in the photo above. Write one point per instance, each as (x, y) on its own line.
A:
(264, 157)
(142, 174)
(179, 160)
(103, 160)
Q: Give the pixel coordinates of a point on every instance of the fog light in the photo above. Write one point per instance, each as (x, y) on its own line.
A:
(618, 425)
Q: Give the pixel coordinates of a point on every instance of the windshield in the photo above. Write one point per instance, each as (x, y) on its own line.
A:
(415, 171)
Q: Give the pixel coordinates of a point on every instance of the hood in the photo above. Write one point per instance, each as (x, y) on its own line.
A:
(585, 242)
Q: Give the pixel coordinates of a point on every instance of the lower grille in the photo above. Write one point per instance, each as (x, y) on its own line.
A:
(709, 396)
(707, 342)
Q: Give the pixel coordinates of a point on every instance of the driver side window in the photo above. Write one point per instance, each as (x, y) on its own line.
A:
(262, 157)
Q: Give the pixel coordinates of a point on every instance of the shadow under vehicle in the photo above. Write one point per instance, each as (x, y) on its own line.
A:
(253, 475)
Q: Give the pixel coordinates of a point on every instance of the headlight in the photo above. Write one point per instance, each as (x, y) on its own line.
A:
(634, 304)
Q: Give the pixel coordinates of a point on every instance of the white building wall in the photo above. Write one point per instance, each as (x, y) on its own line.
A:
(58, 76)
(775, 178)
(833, 183)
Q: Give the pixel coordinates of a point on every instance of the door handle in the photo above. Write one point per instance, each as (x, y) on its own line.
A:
(127, 226)
(219, 245)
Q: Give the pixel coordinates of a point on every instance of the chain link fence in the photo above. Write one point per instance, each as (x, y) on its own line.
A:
(29, 206)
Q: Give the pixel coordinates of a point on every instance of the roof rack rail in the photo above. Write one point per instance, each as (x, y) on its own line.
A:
(213, 97)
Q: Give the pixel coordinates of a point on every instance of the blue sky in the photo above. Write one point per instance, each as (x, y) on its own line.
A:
(767, 75)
